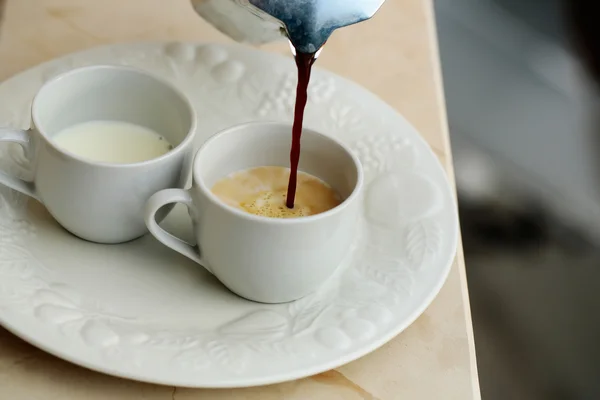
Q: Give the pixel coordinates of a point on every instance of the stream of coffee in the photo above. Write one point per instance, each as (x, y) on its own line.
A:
(304, 62)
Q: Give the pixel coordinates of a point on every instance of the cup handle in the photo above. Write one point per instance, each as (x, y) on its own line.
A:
(20, 137)
(160, 199)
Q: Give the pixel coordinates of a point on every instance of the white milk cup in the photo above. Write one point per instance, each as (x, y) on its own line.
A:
(102, 202)
(268, 260)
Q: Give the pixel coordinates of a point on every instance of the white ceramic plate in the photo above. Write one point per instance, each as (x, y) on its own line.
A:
(141, 311)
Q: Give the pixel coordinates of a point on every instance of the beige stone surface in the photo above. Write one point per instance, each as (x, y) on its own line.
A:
(394, 55)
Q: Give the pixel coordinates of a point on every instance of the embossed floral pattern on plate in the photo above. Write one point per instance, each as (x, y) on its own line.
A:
(139, 311)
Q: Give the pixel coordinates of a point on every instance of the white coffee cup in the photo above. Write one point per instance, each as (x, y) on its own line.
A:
(102, 202)
(268, 260)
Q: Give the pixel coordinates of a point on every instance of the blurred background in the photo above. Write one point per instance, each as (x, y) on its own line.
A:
(526, 149)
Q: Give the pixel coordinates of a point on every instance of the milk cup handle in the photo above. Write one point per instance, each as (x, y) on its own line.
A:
(22, 138)
(160, 199)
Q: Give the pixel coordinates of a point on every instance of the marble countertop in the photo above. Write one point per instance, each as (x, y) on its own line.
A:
(395, 56)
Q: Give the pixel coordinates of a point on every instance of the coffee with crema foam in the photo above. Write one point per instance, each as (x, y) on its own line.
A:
(263, 190)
